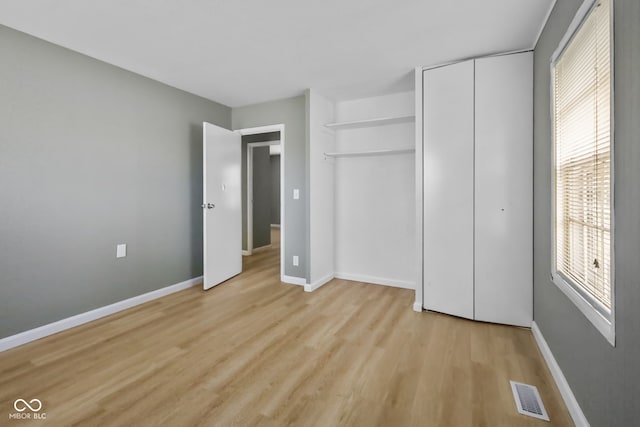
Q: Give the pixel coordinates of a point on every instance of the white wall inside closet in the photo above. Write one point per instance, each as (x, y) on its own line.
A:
(321, 191)
(375, 192)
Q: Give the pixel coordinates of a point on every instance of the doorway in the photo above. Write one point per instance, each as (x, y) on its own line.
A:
(263, 165)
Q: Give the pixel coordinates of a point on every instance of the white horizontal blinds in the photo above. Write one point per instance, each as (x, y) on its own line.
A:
(582, 120)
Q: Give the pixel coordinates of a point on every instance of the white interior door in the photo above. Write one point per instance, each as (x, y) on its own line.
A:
(503, 189)
(448, 189)
(222, 205)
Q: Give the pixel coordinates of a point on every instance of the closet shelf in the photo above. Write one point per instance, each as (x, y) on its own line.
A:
(371, 122)
(371, 152)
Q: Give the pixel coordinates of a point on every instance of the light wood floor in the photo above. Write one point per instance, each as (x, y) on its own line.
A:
(255, 351)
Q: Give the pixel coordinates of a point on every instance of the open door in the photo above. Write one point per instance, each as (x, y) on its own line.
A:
(221, 203)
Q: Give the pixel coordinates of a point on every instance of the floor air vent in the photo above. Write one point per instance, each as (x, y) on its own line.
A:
(528, 400)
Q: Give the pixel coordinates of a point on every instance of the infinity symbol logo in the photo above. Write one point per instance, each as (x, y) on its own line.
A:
(26, 405)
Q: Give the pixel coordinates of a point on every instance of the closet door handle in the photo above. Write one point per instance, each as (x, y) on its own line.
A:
(208, 206)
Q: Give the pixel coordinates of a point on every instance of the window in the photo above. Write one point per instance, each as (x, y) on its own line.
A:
(582, 134)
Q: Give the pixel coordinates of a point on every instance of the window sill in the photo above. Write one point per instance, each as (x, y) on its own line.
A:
(601, 323)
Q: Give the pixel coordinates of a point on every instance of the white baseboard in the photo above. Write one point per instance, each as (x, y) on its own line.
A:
(261, 248)
(293, 280)
(246, 253)
(376, 280)
(313, 286)
(275, 225)
(417, 306)
(567, 395)
(82, 318)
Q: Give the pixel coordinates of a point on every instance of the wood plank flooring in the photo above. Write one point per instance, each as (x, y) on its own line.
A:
(255, 351)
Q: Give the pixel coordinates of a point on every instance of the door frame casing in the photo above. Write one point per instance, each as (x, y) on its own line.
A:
(266, 129)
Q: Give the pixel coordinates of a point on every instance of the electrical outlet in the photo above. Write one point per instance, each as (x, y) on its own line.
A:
(296, 194)
(296, 260)
(121, 250)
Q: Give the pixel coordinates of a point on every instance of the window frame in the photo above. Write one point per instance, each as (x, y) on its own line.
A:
(593, 310)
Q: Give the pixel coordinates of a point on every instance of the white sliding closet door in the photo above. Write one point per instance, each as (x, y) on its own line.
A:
(448, 189)
(503, 189)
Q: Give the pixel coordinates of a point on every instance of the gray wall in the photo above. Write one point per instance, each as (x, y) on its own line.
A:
(604, 379)
(275, 189)
(91, 156)
(290, 112)
(261, 197)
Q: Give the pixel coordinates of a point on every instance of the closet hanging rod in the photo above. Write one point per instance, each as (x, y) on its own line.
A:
(371, 152)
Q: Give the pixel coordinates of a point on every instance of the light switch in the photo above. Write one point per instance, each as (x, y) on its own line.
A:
(295, 260)
(121, 250)
(296, 194)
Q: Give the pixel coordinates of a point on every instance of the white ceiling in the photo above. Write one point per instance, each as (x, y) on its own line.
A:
(241, 52)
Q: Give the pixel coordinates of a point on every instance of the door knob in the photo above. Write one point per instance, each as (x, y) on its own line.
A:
(208, 206)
